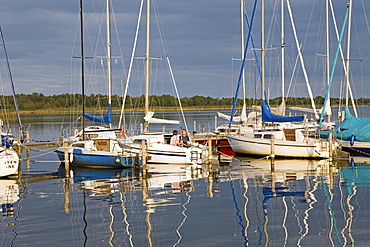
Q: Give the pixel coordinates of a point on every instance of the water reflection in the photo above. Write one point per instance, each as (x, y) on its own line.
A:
(9, 194)
(247, 202)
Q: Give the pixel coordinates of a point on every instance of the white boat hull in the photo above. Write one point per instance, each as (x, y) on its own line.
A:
(280, 148)
(9, 162)
(159, 153)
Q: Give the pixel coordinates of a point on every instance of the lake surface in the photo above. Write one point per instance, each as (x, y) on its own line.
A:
(242, 203)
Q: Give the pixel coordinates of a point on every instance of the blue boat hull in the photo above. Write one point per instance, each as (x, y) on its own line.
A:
(98, 161)
(357, 151)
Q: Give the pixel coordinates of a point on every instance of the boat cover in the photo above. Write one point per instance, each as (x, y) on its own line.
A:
(267, 116)
(106, 119)
(352, 126)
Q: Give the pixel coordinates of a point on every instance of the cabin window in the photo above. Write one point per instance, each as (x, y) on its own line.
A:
(257, 135)
(78, 145)
(289, 134)
(102, 144)
(139, 141)
(267, 136)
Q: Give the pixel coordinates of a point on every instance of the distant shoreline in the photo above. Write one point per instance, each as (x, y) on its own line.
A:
(43, 111)
(157, 109)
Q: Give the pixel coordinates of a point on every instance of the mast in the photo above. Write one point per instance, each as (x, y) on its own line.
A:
(242, 45)
(109, 59)
(263, 51)
(348, 48)
(147, 64)
(82, 71)
(282, 56)
(11, 81)
(327, 53)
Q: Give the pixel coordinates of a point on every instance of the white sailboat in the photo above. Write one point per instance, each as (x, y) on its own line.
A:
(287, 140)
(157, 147)
(9, 159)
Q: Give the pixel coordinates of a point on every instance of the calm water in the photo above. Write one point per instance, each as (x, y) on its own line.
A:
(244, 203)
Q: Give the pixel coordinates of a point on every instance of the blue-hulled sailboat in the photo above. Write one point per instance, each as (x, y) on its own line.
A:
(96, 146)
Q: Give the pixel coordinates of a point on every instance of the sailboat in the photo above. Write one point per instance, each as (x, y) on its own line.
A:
(96, 146)
(352, 132)
(156, 146)
(9, 159)
(291, 139)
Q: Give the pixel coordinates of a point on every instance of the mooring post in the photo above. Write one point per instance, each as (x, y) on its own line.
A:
(143, 156)
(330, 146)
(66, 160)
(209, 149)
(272, 153)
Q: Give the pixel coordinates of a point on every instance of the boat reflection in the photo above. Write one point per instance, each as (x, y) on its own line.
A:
(298, 199)
(9, 194)
(288, 203)
(139, 196)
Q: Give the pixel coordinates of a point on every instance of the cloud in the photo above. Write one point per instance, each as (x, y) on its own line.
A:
(201, 39)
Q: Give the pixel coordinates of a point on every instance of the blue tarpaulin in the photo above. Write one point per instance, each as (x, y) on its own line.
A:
(353, 126)
(267, 116)
(106, 119)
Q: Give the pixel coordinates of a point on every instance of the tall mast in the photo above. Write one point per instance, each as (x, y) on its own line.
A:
(348, 48)
(109, 59)
(282, 56)
(263, 51)
(11, 81)
(82, 71)
(147, 64)
(327, 52)
(242, 45)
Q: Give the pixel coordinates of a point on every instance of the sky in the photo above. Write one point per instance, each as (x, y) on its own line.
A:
(200, 37)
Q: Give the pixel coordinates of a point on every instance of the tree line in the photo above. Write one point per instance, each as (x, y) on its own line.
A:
(65, 102)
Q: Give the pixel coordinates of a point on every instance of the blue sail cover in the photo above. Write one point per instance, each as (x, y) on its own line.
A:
(267, 116)
(106, 119)
(353, 126)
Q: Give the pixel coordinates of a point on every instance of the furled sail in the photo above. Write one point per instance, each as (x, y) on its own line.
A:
(106, 119)
(241, 118)
(267, 116)
(150, 119)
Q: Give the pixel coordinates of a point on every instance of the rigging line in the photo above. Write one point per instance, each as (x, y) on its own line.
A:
(254, 51)
(242, 66)
(177, 92)
(4, 109)
(10, 78)
(367, 23)
(342, 57)
(333, 67)
(301, 60)
(131, 62)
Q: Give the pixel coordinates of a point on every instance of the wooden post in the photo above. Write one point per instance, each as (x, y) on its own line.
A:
(272, 155)
(209, 149)
(330, 146)
(27, 136)
(66, 160)
(195, 126)
(143, 156)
